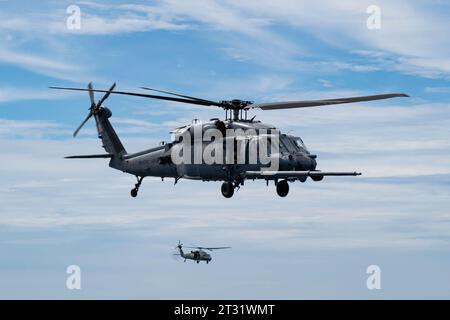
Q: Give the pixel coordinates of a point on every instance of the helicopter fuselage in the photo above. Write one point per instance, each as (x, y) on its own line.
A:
(197, 255)
(291, 153)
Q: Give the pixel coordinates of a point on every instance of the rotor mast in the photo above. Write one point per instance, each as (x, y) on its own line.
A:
(236, 113)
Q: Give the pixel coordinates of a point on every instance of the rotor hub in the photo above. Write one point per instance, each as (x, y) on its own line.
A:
(236, 106)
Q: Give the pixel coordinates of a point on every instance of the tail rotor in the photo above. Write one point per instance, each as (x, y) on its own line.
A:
(177, 254)
(94, 106)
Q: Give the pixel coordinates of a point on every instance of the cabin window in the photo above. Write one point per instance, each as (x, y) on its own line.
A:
(283, 146)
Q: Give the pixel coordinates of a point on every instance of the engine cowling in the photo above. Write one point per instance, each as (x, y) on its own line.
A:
(220, 125)
(105, 112)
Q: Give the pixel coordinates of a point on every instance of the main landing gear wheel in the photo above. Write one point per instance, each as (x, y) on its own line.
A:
(134, 192)
(227, 189)
(283, 188)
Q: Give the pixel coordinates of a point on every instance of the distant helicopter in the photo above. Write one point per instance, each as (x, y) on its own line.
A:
(197, 255)
(294, 161)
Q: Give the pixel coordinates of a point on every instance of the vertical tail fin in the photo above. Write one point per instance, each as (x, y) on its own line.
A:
(180, 248)
(110, 141)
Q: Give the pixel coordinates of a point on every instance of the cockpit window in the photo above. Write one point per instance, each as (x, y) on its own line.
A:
(288, 144)
(299, 143)
(292, 144)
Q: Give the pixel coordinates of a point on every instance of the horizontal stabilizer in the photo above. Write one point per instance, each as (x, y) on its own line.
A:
(90, 156)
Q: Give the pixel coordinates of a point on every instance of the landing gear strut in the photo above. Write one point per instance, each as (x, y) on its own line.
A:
(227, 189)
(283, 188)
(134, 191)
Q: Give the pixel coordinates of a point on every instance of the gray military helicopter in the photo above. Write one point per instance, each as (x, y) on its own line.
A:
(295, 162)
(197, 255)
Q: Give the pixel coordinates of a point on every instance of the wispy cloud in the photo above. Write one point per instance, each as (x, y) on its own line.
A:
(8, 94)
(173, 210)
(40, 64)
(104, 19)
(411, 32)
(30, 129)
(437, 90)
(409, 41)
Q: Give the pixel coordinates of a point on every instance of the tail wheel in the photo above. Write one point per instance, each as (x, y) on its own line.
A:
(227, 189)
(283, 188)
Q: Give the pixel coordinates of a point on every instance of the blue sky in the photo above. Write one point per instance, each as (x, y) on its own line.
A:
(316, 243)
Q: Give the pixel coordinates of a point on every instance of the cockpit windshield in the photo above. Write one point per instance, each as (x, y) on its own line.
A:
(287, 144)
(299, 143)
(292, 144)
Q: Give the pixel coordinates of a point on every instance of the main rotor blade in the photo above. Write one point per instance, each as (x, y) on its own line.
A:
(209, 248)
(177, 94)
(202, 103)
(106, 95)
(91, 94)
(315, 103)
(82, 124)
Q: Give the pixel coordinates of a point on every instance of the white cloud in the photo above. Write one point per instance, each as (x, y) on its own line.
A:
(33, 61)
(125, 23)
(340, 213)
(410, 40)
(104, 19)
(29, 128)
(411, 31)
(128, 126)
(41, 64)
(256, 40)
(325, 83)
(13, 23)
(96, 19)
(437, 89)
(8, 94)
